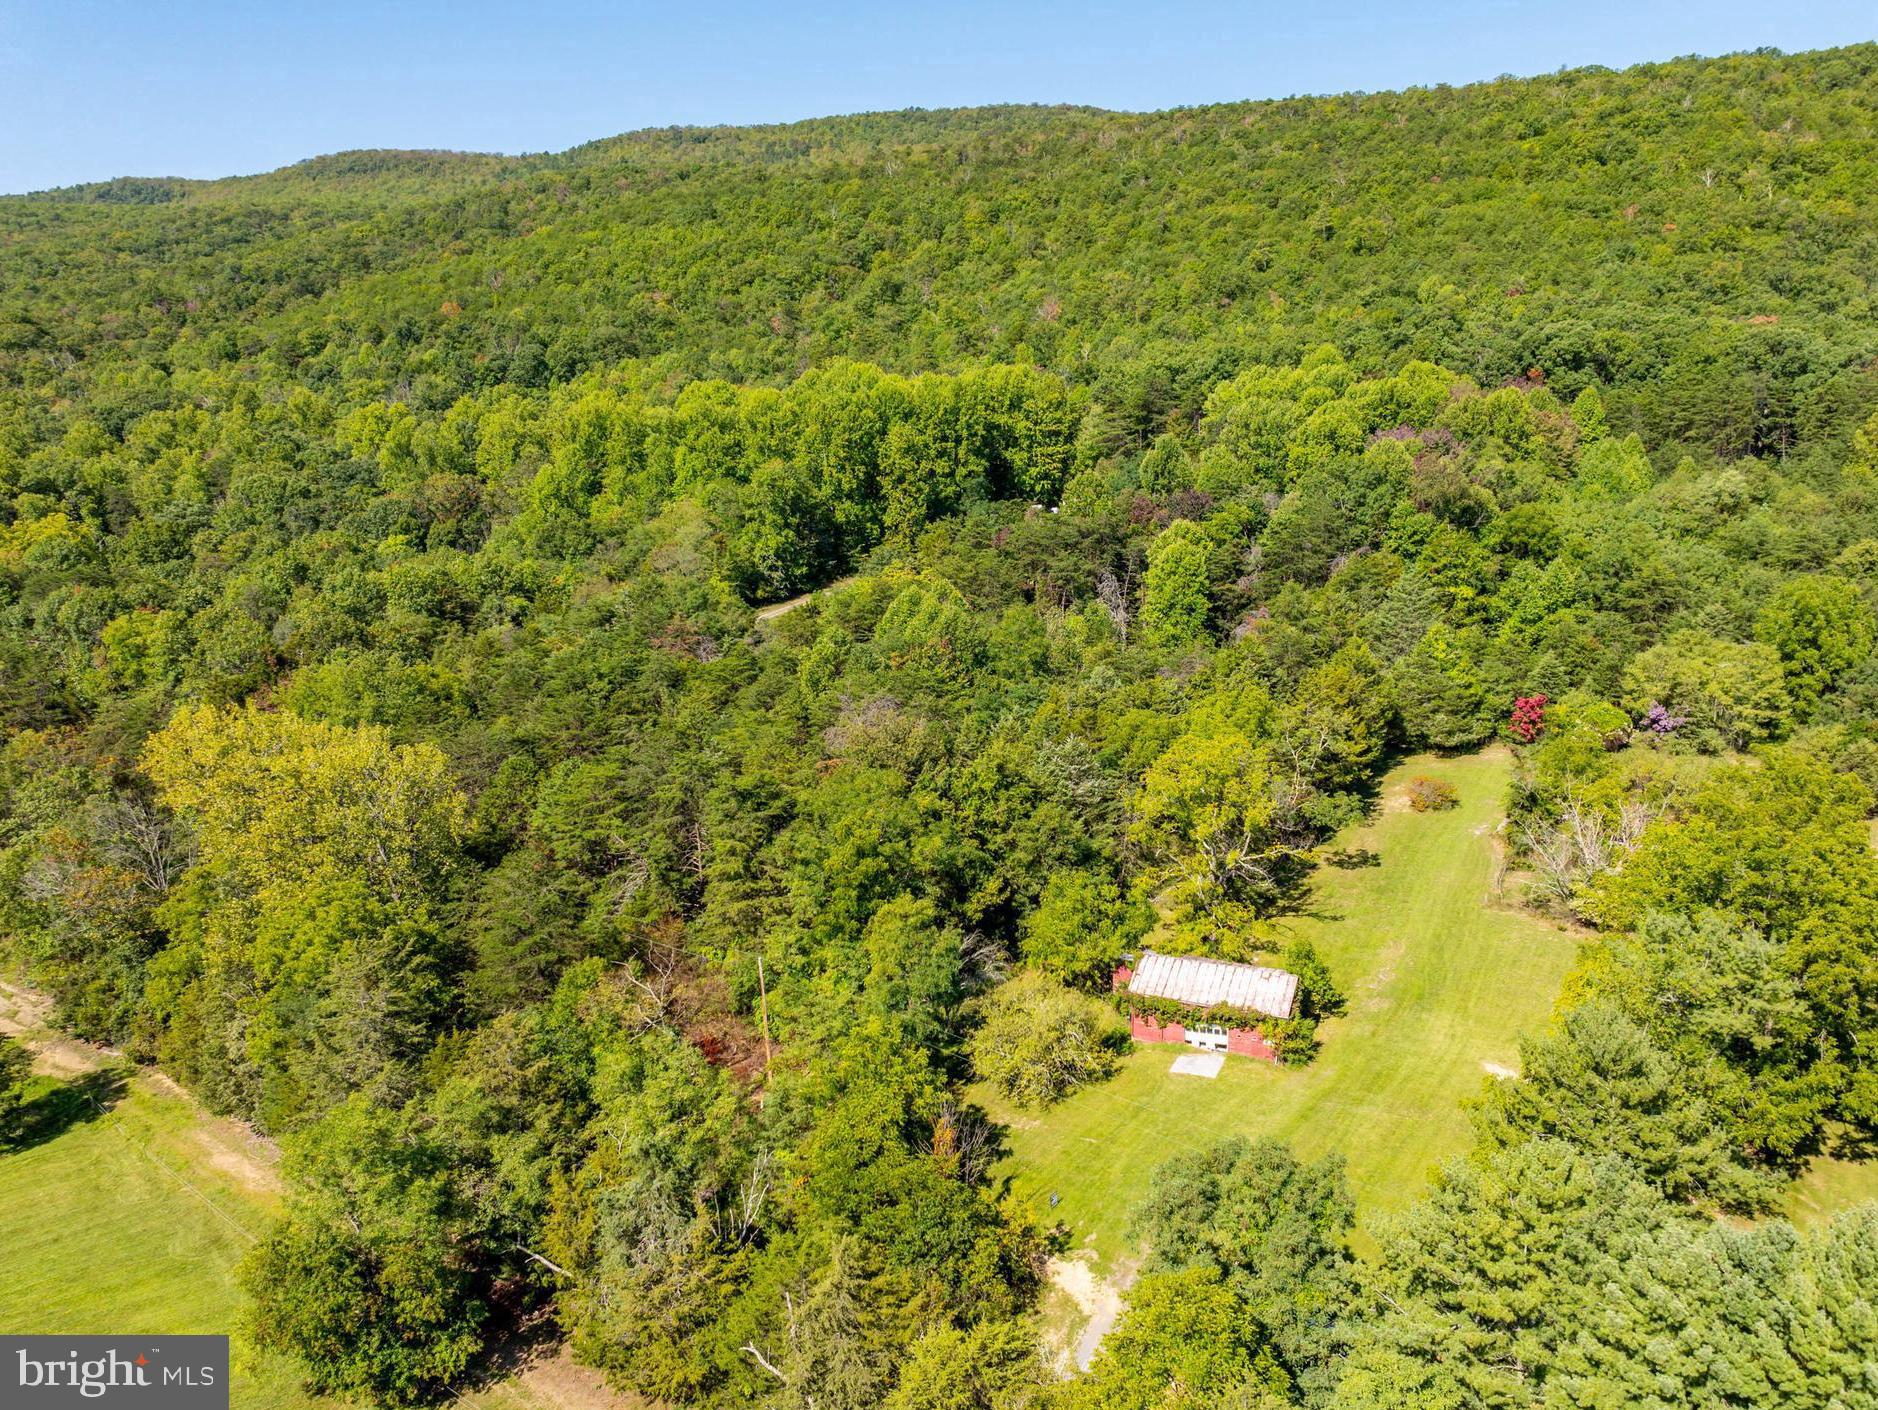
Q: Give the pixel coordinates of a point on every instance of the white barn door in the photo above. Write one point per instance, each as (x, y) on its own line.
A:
(1209, 1036)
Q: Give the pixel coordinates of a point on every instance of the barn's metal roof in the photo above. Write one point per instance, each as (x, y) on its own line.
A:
(1201, 983)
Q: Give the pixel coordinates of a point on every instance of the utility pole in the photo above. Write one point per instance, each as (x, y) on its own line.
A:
(762, 988)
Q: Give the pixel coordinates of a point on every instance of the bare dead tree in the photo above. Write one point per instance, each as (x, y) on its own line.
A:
(1581, 844)
(627, 879)
(963, 1141)
(764, 1361)
(737, 1224)
(545, 1262)
(750, 1346)
(1303, 748)
(1112, 593)
(983, 959)
(140, 837)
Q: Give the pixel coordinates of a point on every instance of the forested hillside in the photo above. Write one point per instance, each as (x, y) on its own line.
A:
(395, 754)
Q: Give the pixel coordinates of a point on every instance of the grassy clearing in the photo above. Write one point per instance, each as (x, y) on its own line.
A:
(1442, 975)
(133, 1218)
(1828, 1186)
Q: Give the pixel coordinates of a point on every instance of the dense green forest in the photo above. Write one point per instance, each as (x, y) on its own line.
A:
(396, 754)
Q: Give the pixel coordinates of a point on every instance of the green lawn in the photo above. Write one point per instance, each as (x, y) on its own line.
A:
(1830, 1185)
(1441, 973)
(134, 1221)
(123, 1222)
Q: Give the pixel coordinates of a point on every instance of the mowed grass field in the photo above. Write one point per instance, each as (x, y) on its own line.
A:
(134, 1219)
(1829, 1185)
(1441, 973)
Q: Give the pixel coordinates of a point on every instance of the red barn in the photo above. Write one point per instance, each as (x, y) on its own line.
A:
(1221, 1000)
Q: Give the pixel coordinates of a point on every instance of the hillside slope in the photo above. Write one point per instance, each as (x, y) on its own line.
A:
(402, 754)
(1705, 225)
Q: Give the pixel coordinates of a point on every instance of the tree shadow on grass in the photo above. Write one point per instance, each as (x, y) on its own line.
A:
(64, 1105)
(1352, 858)
(1291, 893)
(1843, 1143)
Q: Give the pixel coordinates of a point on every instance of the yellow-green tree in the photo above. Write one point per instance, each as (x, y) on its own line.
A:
(1212, 821)
(306, 961)
(276, 799)
(1174, 600)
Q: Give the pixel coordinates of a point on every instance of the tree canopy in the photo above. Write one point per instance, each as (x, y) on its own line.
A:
(596, 695)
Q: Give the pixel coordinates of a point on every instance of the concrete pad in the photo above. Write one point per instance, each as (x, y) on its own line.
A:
(1199, 1064)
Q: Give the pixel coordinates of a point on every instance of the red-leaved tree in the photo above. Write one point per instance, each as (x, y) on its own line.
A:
(1528, 721)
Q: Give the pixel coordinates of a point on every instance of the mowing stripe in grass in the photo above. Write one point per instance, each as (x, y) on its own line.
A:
(1441, 973)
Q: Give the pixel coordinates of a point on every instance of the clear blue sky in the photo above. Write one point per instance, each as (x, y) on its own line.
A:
(99, 88)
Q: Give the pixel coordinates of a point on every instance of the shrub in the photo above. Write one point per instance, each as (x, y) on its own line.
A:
(1318, 995)
(1431, 795)
(1038, 1040)
(1528, 721)
(16, 1068)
